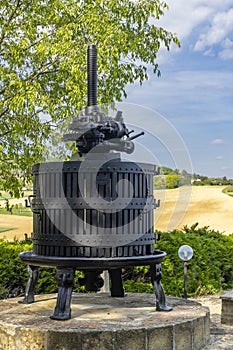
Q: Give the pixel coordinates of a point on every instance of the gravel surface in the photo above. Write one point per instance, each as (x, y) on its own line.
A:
(221, 335)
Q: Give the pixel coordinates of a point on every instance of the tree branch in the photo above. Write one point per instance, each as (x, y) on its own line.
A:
(11, 17)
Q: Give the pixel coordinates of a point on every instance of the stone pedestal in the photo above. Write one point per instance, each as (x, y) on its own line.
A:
(101, 322)
(227, 308)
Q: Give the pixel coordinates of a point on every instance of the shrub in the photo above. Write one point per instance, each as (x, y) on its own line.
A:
(14, 275)
(228, 190)
(209, 271)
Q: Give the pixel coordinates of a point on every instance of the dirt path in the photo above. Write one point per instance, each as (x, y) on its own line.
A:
(184, 206)
(19, 224)
(206, 205)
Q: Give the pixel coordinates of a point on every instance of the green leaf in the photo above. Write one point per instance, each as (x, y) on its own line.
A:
(43, 48)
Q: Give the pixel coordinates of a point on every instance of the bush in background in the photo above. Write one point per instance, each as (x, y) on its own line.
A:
(14, 274)
(209, 271)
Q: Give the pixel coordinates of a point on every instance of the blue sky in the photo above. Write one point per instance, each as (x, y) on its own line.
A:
(195, 91)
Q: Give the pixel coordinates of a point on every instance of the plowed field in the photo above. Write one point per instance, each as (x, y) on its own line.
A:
(184, 206)
(206, 205)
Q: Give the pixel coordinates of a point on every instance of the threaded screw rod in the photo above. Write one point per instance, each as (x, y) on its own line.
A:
(92, 75)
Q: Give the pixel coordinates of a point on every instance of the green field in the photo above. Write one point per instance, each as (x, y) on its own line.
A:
(14, 206)
(16, 211)
(228, 190)
(5, 229)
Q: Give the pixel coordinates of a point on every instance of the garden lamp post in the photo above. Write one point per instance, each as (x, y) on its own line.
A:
(185, 253)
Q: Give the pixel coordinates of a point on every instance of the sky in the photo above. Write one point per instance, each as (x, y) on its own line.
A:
(195, 92)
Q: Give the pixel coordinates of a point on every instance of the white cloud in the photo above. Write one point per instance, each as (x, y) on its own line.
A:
(227, 49)
(217, 142)
(227, 44)
(217, 33)
(183, 16)
(226, 54)
(219, 157)
(208, 22)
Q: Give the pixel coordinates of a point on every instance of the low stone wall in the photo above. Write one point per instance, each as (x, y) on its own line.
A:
(104, 323)
(227, 308)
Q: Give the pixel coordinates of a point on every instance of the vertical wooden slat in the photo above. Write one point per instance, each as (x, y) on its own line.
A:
(87, 252)
(93, 221)
(113, 220)
(68, 185)
(119, 229)
(131, 223)
(113, 185)
(80, 218)
(74, 219)
(108, 221)
(135, 177)
(120, 187)
(101, 252)
(131, 250)
(88, 221)
(81, 191)
(75, 185)
(73, 251)
(100, 219)
(125, 251)
(87, 180)
(119, 251)
(51, 217)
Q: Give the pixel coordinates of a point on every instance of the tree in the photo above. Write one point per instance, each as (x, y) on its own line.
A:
(43, 66)
(172, 181)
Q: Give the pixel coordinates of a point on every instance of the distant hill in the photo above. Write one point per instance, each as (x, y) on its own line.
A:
(173, 178)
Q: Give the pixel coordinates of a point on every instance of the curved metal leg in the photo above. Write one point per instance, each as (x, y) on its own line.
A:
(31, 285)
(65, 281)
(117, 288)
(156, 275)
(93, 281)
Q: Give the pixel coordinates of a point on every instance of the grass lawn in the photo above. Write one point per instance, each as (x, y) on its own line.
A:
(5, 229)
(4, 197)
(228, 190)
(17, 211)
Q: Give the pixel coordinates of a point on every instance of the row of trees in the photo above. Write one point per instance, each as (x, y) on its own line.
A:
(204, 180)
(173, 178)
(43, 67)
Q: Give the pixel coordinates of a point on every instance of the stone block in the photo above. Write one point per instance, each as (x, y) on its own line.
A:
(7, 337)
(227, 308)
(198, 334)
(207, 327)
(160, 338)
(131, 339)
(63, 340)
(30, 339)
(105, 323)
(183, 333)
(96, 340)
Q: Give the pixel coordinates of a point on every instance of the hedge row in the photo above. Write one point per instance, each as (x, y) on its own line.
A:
(14, 275)
(210, 270)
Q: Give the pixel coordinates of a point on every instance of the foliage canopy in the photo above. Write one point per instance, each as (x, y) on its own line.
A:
(43, 66)
(210, 270)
